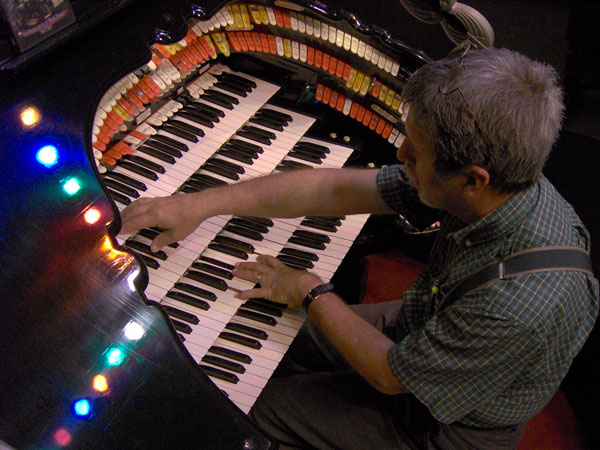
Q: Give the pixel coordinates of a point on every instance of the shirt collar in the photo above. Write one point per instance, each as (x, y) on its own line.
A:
(501, 220)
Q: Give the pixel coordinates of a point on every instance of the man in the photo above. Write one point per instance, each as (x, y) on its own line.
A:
(418, 373)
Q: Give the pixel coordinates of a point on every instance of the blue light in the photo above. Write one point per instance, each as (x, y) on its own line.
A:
(47, 155)
(82, 408)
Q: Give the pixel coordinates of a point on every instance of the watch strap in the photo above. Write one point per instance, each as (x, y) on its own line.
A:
(314, 293)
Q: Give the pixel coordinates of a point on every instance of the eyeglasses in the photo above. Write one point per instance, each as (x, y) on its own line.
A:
(451, 83)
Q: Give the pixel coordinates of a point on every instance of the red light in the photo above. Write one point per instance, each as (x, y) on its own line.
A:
(62, 437)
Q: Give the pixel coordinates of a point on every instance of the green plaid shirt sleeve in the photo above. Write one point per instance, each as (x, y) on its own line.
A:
(495, 356)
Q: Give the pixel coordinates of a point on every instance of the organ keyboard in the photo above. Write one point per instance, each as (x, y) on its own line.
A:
(197, 99)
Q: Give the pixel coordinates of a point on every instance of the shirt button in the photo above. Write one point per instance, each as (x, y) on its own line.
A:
(468, 243)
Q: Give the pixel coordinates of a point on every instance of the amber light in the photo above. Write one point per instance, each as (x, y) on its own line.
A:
(100, 383)
(30, 116)
(92, 216)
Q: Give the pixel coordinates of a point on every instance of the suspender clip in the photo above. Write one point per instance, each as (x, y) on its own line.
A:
(501, 270)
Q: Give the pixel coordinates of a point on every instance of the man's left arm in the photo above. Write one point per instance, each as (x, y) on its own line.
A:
(363, 346)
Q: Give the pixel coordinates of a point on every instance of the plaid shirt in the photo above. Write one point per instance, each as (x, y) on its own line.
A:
(497, 355)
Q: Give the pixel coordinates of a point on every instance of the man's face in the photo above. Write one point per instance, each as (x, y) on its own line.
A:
(417, 154)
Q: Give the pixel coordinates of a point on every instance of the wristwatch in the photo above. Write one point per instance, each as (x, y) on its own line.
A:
(314, 293)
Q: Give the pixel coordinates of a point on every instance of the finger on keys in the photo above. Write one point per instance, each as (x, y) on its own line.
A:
(248, 270)
(253, 293)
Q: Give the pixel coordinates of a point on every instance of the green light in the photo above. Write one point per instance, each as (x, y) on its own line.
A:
(72, 186)
(115, 357)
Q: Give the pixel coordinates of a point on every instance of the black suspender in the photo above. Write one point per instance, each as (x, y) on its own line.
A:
(543, 259)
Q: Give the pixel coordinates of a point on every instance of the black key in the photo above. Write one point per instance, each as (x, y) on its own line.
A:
(262, 308)
(145, 163)
(243, 87)
(118, 197)
(257, 317)
(237, 78)
(243, 232)
(197, 118)
(216, 262)
(122, 188)
(220, 171)
(261, 220)
(240, 150)
(271, 118)
(232, 154)
(276, 114)
(157, 154)
(138, 185)
(232, 354)
(318, 225)
(222, 95)
(289, 164)
(313, 146)
(195, 186)
(297, 262)
(254, 136)
(281, 306)
(169, 141)
(227, 165)
(180, 336)
(209, 280)
(224, 363)
(150, 262)
(188, 299)
(299, 253)
(230, 88)
(266, 123)
(208, 268)
(242, 340)
(187, 189)
(248, 223)
(168, 149)
(206, 108)
(228, 250)
(139, 170)
(249, 331)
(304, 157)
(337, 221)
(218, 373)
(194, 290)
(307, 243)
(260, 131)
(238, 143)
(181, 315)
(181, 327)
(186, 127)
(217, 101)
(309, 151)
(178, 132)
(152, 233)
(311, 235)
(208, 179)
(236, 243)
(145, 248)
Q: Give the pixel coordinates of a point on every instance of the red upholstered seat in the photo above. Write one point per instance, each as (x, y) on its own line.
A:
(388, 275)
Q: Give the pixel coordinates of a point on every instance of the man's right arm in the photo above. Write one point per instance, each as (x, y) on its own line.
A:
(290, 194)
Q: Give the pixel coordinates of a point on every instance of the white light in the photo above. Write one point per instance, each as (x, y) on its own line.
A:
(134, 331)
(131, 278)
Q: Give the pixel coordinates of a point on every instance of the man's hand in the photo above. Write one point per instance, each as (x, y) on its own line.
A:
(278, 282)
(177, 215)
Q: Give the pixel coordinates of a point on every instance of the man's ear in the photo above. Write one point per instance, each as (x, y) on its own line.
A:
(477, 178)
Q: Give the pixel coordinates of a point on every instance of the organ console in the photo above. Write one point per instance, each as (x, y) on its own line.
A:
(105, 344)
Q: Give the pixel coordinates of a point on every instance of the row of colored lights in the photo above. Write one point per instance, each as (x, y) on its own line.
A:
(83, 408)
(49, 156)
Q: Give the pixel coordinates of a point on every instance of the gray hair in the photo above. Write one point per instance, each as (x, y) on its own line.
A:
(518, 106)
